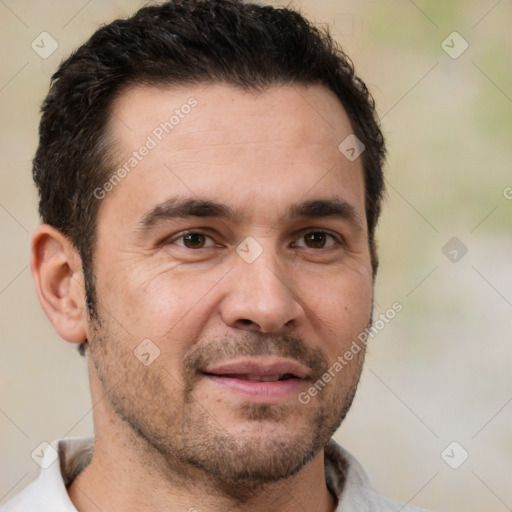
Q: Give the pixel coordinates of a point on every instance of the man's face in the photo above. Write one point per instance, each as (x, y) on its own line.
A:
(237, 245)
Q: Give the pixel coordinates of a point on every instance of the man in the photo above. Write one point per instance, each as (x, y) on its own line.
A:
(210, 179)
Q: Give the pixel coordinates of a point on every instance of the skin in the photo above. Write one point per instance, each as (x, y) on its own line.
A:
(167, 438)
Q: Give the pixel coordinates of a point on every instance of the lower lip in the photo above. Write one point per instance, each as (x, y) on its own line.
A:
(257, 391)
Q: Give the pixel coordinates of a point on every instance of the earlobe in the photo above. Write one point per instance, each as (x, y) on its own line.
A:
(57, 272)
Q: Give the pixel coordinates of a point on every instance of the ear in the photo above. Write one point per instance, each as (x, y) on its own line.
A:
(57, 272)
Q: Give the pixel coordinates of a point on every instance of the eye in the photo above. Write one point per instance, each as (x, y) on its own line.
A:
(317, 240)
(193, 240)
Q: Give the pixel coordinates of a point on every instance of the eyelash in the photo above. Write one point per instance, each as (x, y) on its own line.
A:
(338, 240)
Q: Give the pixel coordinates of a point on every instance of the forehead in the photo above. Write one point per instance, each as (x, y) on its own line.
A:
(240, 146)
(179, 118)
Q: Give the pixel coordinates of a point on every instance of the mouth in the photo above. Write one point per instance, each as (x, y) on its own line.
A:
(259, 380)
(255, 378)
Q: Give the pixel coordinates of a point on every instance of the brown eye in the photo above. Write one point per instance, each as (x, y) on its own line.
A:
(194, 240)
(317, 240)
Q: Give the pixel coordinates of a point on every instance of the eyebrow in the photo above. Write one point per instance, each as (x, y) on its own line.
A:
(176, 207)
(317, 208)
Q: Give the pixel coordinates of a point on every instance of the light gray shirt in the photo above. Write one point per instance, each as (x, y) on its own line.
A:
(65, 458)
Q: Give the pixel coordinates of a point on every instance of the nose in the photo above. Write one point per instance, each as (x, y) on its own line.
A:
(260, 297)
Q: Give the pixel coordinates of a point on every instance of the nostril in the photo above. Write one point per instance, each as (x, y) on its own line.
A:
(248, 325)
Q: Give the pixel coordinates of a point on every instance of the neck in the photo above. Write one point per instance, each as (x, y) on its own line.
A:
(126, 474)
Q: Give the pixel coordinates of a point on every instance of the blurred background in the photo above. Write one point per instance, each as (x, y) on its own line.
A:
(431, 423)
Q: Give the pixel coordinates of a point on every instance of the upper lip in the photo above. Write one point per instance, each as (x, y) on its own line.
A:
(259, 367)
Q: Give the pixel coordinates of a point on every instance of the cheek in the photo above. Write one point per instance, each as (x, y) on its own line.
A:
(168, 306)
(341, 309)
